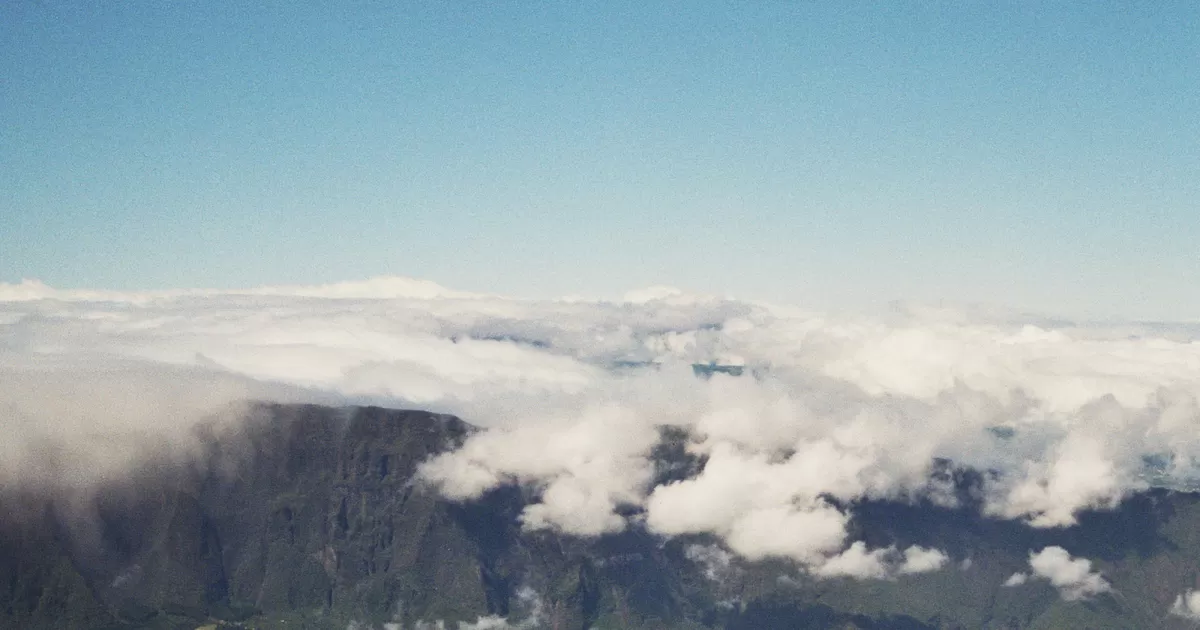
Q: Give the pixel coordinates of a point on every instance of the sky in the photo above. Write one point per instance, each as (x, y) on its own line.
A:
(413, 186)
(1041, 156)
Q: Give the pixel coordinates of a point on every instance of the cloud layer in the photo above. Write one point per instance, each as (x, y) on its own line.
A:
(796, 414)
(1073, 577)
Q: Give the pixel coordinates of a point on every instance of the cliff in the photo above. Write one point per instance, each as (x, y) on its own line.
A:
(310, 517)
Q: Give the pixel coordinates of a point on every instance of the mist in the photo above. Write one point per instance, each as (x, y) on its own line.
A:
(798, 414)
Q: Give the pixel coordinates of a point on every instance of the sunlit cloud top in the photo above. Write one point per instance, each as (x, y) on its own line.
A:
(798, 414)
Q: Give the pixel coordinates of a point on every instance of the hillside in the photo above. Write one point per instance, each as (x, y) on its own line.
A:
(310, 517)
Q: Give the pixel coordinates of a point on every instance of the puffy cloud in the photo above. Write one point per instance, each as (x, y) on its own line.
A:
(586, 467)
(573, 393)
(1016, 579)
(921, 560)
(1073, 577)
(1078, 474)
(803, 535)
(857, 562)
(761, 508)
(1187, 605)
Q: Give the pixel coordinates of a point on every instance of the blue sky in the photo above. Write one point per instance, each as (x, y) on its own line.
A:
(839, 155)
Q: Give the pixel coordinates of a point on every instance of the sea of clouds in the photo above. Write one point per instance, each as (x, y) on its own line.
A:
(573, 394)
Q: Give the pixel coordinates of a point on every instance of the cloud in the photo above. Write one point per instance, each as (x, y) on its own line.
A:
(1076, 471)
(493, 622)
(527, 599)
(716, 562)
(921, 560)
(69, 425)
(573, 395)
(1016, 579)
(1187, 605)
(857, 562)
(804, 535)
(1073, 577)
(586, 464)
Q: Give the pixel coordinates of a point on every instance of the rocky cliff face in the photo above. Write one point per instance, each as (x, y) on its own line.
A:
(305, 512)
(309, 517)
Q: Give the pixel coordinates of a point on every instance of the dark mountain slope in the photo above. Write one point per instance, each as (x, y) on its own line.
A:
(308, 517)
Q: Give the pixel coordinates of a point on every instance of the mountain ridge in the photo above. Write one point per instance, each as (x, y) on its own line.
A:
(312, 517)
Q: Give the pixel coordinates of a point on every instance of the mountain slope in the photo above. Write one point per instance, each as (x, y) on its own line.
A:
(309, 517)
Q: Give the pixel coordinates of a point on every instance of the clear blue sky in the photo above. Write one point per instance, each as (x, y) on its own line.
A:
(1037, 155)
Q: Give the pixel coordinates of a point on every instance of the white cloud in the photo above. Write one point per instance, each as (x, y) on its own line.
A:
(68, 425)
(921, 560)
(1078, 473)
(573, 393)
(586, 466)
(1073, 577)
(761, 508)
(804, 535)
(857, 562)
(1016, 579)
(1187, 605)
(526, 598)
(492, 622)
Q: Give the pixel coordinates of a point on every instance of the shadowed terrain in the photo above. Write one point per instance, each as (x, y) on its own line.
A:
(310, 517)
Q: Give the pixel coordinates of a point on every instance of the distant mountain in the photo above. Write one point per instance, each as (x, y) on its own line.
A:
(309, 517)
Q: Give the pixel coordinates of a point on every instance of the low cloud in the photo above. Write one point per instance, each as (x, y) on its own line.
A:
(716, 562)
(1187, 605)
(1016, 579)
(527, 599)
(1073, 577)
(797, 415)
(858, 562)
(74, 425)
(586, 464)
(922, 560)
